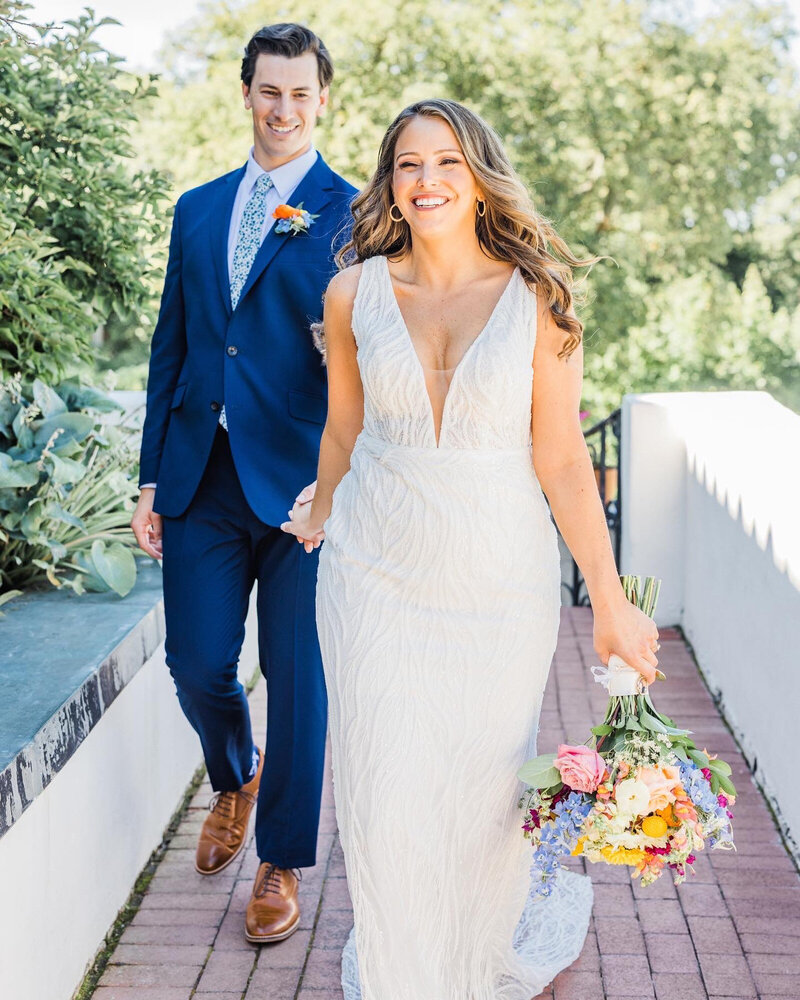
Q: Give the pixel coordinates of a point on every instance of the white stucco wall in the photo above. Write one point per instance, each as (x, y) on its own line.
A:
(69, 863)
(711, 491)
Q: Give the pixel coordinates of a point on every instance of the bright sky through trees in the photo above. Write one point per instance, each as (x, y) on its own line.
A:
(146, 22)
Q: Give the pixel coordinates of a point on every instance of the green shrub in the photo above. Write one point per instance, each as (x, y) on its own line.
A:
(81, 229)
(67, 467)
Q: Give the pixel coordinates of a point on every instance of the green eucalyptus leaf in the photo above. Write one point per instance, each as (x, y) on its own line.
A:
(698, 757)
(540, 772)
(721, 766)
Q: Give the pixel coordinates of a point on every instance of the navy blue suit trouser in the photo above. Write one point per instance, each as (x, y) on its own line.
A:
(213, 554)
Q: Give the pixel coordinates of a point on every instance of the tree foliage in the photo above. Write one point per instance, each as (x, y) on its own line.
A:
(79, 229)
(667, 144)
(80, 248)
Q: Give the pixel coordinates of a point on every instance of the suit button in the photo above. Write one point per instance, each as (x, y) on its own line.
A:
(232, 351)
(215, 406)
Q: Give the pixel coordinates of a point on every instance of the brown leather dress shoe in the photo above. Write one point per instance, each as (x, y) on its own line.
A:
(225, 828)
(273, 912)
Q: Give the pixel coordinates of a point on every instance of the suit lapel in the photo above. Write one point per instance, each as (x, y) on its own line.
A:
(220, 225)
(312, 191)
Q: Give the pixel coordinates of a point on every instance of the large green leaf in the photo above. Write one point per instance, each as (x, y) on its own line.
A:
(47, 399)
(115, 565)
(73, 427)
(540, 772)
(14, 474)
(65, 470)
(80, 397)
(8, 410)
(721, 766)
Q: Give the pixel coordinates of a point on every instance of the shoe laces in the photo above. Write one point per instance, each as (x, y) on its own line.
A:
(223, 803)
(271, 881)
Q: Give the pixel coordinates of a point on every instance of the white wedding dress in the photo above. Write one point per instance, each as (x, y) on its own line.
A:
(438, 608)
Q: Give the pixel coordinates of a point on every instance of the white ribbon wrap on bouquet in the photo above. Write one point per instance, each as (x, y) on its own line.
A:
(618, 677)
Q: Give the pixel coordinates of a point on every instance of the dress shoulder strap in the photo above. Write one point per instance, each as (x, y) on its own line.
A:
(369, 300)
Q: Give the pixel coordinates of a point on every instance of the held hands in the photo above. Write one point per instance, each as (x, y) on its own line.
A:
(625, 630)
(299, 523)
(146, 524)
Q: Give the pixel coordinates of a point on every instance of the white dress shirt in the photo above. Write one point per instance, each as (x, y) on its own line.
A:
(285, 180)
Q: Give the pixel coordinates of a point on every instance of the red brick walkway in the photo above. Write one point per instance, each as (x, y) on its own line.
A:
(732, 932)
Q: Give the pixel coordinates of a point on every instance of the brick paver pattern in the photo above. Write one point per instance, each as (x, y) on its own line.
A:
(731, 932)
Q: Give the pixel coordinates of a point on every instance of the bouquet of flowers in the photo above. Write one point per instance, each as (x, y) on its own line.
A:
(638, 793)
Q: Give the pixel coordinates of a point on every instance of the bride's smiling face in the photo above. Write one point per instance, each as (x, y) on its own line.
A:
(432, 183)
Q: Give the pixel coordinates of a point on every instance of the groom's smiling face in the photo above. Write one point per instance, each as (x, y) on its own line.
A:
(286, 99)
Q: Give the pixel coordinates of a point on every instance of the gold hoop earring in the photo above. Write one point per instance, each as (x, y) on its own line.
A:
(480, 205)
(401, 219)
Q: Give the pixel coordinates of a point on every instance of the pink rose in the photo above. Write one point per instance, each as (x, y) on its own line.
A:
(660, 781)
(580, 767)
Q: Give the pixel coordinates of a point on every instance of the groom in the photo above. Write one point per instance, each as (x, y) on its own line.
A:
(236, 402)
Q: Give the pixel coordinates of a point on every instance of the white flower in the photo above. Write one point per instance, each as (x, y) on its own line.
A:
(632, 797)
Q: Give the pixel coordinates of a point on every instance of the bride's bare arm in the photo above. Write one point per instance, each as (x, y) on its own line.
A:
(564, 469)
(345, 407)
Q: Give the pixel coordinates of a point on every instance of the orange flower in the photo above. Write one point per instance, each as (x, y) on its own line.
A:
(286, 212)
(668, 815)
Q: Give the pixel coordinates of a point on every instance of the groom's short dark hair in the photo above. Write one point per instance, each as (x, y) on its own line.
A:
(289, 40)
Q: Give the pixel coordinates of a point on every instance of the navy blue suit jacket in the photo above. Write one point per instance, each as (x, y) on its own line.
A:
(259, 359)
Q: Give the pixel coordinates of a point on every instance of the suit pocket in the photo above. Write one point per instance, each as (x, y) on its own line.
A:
(177, 396)
(304, 406)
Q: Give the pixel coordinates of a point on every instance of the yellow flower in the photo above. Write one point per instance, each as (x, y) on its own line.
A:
(578, 847)
(622, 855)
(654, 826)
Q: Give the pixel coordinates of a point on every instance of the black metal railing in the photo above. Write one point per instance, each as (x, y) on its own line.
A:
(604, 441)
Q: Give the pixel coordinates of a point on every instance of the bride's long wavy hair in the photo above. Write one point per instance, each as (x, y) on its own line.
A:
(511, 229)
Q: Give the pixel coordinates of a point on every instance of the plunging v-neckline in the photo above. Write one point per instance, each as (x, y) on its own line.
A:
(457, 368)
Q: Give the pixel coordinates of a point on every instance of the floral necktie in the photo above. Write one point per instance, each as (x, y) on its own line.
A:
(248, 241)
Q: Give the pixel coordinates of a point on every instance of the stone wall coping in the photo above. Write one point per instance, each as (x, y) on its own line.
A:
(63, 661)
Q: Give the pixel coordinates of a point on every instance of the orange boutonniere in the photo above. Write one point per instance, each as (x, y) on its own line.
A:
(293, 220)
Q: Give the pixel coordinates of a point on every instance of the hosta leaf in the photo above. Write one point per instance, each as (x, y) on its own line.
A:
(80, 397)
(47, 399)
(73, 426)
(115, 565)
(15, 474)
(65, 470)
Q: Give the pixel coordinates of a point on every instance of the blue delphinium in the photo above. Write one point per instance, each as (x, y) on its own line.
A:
(558, 838)
(718, 824)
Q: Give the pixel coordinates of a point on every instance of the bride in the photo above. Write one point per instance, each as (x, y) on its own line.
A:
(454, 367)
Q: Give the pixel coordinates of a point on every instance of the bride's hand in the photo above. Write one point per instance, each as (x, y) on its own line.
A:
(300, 525)
(625, 630)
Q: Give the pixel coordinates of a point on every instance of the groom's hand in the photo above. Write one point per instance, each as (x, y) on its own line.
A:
(307, 495)
(146, 524)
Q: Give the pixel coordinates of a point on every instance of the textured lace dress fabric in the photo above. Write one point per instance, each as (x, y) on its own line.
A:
(437, 610)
